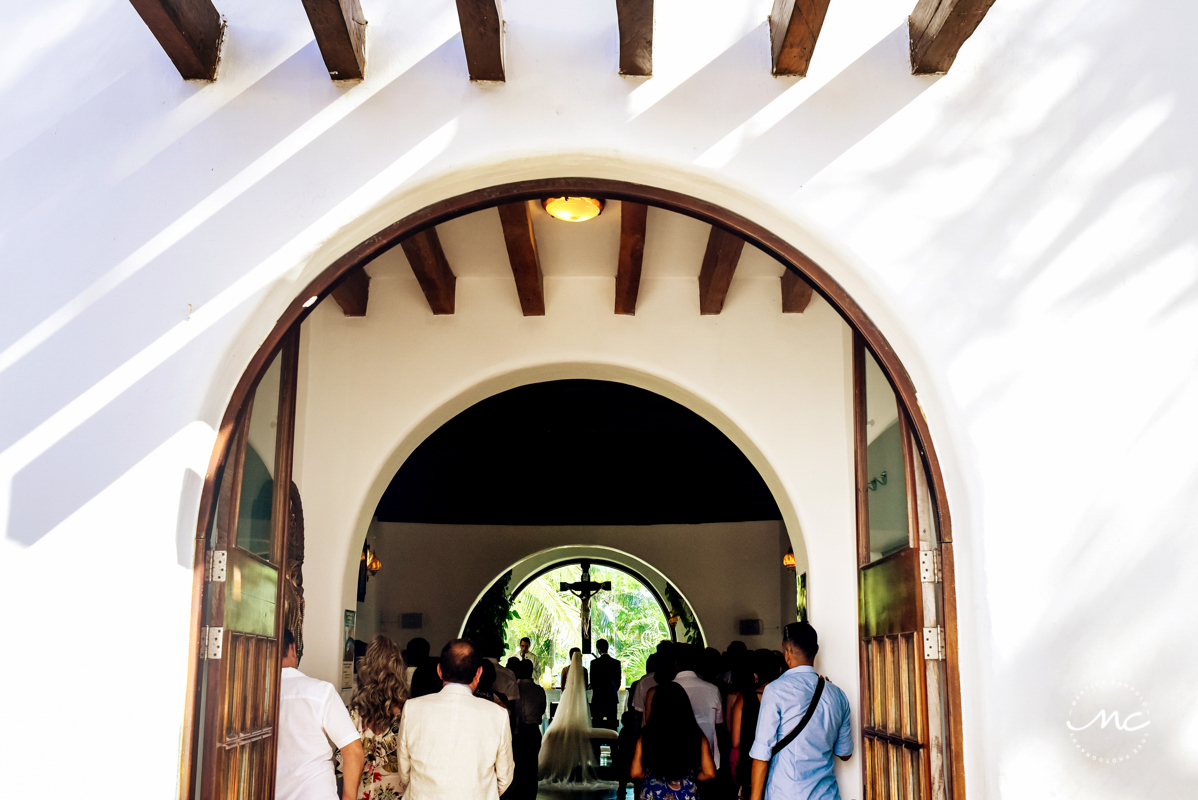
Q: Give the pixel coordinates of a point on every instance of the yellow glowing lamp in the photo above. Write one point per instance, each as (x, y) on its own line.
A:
(788, 560)
(373, 564)
(573, 209)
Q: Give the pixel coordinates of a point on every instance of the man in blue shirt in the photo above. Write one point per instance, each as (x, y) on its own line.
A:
(803, 769)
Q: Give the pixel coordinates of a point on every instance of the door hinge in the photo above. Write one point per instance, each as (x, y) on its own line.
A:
(217, 560)
(933, 644)
(930, 570)
(211, 640)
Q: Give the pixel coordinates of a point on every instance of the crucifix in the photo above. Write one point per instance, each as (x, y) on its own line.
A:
(584, 590)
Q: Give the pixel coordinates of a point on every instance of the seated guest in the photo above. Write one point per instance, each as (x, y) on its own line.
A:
(566, 670)
(673, 755)
(375, 711)
(452, 744)
(528, 734)
(311, 715)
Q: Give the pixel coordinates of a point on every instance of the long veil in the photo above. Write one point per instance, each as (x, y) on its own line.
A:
(566, 754)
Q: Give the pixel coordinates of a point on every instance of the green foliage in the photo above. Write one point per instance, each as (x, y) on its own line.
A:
(489, 621)
(628, 617)
(681, 609)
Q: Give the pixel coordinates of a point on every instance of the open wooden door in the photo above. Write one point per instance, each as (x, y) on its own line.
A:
(243, 596)
(901, 596)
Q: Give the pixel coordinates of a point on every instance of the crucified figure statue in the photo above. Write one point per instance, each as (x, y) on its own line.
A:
(584, 590)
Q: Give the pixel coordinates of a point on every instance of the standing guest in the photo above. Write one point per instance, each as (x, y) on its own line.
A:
(525, 654)
(745, 712)
(415, 656)
(528, 735)
(311, 715)
(630, 734)
(505, 679)
(673, 754)
(452, 744)
(426, 680)
(606, 676)
(375, 711)
(802, 768)
(586, 680)
(650, 680)
(706, 702)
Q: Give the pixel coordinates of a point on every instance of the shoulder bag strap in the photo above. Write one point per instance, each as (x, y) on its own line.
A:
(790, 737)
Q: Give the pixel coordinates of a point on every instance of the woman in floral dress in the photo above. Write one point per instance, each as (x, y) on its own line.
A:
(375, 710)
(672, 755)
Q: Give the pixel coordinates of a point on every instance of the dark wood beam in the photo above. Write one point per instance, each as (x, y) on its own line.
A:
(432, 270)
(939, 28)
(635, 19)
(188, 30)
(482, 37)
(632, 253)
(340, 28)
(719, 265)
(353, 293)
(794, 29)
(796, 293)
(522, 253)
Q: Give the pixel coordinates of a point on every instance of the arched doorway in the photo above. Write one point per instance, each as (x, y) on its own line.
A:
(925, 502)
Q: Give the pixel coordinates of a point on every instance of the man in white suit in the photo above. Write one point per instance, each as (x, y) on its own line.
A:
(453, 745)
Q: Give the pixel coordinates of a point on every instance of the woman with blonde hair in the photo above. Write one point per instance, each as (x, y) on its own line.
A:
(375, 710)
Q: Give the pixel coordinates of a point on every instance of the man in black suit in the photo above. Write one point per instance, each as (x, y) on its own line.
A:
(605, 688)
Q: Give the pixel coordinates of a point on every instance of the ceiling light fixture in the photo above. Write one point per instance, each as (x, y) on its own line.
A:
(788, 560)
(573, 209)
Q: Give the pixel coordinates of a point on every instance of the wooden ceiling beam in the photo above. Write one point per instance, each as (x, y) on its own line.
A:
(635, 19)
(340, 28)
(353, 293)
(432, 270)
(516, 219)
(939, 28)
(796, 293)
(632, 253)
(794, 29)
(719, 265)
(189, 31)
(482, 38)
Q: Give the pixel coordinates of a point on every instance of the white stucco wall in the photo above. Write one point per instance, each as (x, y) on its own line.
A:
(1021, 229)
(726, 571)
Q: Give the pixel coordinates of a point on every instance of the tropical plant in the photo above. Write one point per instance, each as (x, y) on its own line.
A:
(489, 621)
(628, 616)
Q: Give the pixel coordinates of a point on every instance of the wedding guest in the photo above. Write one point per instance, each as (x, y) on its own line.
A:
(426, 680)
(743, 719)
(706, 702)
(415, 656)
(528, 735)
(505, 679)
(375, 711)
(803, 768)
(311, 715)
(650, 680)
(452, 744)
(486, 686)
(630, 733)
(673, 754)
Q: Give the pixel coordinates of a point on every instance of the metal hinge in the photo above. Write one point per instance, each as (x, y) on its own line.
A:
(211, 640)
(933, 644)
(930, 570)
(217, 559)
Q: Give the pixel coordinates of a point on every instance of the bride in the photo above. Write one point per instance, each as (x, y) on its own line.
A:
(566, 753)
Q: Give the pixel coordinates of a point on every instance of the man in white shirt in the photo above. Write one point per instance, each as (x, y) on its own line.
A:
(705, 697)
(311, 715)
(663, 659)
(525, 654)
(453, 745)
(505, 681)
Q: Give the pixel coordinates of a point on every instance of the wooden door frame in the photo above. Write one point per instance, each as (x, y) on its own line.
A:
(773, 245)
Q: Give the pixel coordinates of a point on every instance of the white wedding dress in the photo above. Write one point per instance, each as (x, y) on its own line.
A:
(566, 754)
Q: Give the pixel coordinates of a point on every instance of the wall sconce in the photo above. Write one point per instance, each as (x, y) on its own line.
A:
(788, 560)
(874, 483)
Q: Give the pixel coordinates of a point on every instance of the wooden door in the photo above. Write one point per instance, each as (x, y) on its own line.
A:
(900, 591)
(241, 638)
